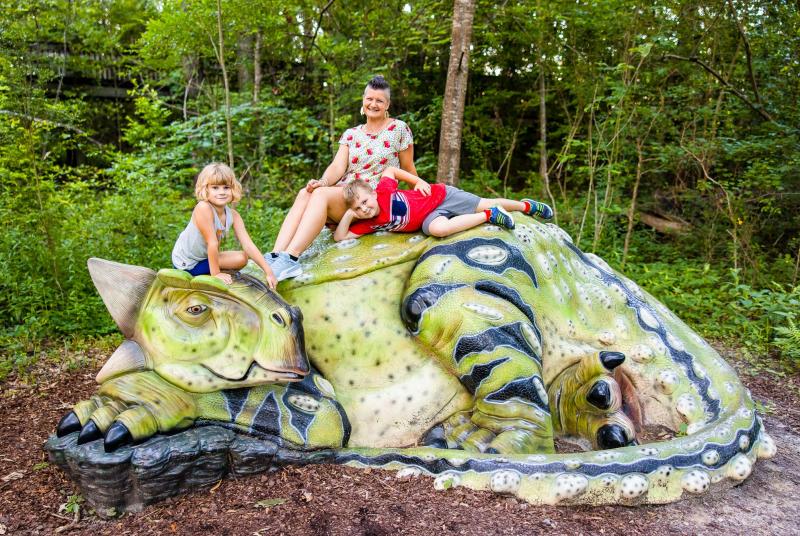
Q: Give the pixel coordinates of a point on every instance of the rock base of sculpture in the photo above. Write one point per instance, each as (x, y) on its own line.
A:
(131, 478)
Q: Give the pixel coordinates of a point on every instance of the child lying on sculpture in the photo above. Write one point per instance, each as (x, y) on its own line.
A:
(438, 209)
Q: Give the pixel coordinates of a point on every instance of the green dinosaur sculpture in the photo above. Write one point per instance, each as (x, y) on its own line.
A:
(460, 358)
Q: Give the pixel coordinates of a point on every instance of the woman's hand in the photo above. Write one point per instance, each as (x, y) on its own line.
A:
(314, 184)
(225, 278)
(422, 186)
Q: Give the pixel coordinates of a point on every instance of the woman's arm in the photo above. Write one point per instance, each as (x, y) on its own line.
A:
(334, 172)
(251, 250)
(406, 157)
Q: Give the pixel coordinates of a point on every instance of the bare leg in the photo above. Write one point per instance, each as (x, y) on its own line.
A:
(442, 226)
(508, 204)
(324, 204)
(291, 221)
(232, 260)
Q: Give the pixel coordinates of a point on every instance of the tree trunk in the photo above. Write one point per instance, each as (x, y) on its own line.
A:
(258, 75)
(220, 49)
(455, 93)
(244, 45)
(543, 172)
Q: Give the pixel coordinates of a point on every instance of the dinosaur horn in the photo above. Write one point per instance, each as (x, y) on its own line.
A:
(127, 358)
(123, 288)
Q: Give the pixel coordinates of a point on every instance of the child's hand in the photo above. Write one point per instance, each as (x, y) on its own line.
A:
(271, 281)
(225, 278)
(423, 187)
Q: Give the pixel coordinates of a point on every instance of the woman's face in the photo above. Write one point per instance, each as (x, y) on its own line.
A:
(375, 103)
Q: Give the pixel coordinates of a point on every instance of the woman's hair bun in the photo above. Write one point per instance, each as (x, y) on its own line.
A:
(378, 82)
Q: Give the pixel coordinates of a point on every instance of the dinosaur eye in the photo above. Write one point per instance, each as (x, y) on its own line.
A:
(278, 319)
(196, 310)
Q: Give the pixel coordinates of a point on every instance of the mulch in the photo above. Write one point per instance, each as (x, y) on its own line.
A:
(316, 500)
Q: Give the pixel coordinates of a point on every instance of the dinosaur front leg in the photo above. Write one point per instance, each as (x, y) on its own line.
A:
(133, 407)
(495, 351)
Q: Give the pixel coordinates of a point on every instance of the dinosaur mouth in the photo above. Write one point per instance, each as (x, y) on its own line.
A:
(279, 375)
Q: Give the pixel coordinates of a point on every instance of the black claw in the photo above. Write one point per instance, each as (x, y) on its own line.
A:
(611, 436)
(89, 433)
(68, 424)
(612, 360)
(600, 395)
(415, 305)
(117, 436)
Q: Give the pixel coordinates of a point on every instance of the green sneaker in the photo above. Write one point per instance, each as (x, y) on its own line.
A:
(538, 208)
(501, 217)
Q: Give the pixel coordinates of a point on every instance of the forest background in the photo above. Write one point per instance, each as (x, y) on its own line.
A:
(666, 136)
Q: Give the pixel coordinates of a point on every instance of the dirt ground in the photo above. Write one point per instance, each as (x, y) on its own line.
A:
(339, 500)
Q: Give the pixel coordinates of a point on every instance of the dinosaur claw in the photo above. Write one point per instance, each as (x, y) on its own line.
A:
(611, 436)
(89, 433)
(600, 395)
(68, 424)
(117, 436)
(611, 360)
(415, 305)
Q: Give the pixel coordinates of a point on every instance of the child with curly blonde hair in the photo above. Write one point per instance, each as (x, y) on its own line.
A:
(197, 248)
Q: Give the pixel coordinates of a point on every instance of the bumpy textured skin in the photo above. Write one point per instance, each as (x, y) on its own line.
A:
(487, 344)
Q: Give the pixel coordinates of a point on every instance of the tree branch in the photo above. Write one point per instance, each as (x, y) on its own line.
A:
(748, 53)
(756, 108)
(51, 122)
(316, 31)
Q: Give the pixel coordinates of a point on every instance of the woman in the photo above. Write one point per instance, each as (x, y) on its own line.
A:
(364, 152)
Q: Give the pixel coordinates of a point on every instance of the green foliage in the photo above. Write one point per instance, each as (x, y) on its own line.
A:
(628, 108)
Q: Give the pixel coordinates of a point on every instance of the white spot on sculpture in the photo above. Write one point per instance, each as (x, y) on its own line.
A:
(505, 481)
(446, 481)
(570, 485)
(408, 472)
(686, 405)
(482, 310)
(488, 255)
(606, 338)
(633, 486)
(710, 457)
(304, 403)
(667, 381)
(739, 467)
(766, 446)
(696, 481)
(744, 443)
(346, 244)
(641, 353)
(648, 318)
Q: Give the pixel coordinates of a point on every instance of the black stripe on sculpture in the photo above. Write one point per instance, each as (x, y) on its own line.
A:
(479, 373)
(509, 336)
(515, 260)
(234, 401)
(523, 389)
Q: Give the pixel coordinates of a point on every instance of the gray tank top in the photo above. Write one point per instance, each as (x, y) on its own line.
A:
(191, 247)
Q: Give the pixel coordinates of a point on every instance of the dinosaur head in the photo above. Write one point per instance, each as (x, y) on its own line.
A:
(197, 332)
